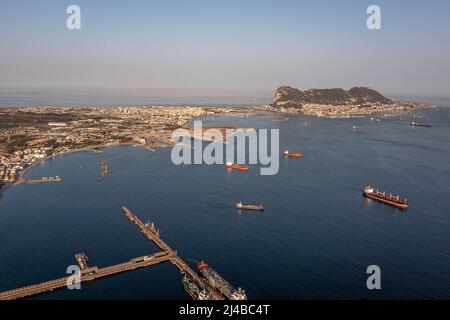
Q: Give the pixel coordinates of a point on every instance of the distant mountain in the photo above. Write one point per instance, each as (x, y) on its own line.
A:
(288, 97)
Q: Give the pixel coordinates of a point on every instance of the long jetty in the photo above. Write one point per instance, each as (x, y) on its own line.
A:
(151, 233)
(92, 273)
(87, 274)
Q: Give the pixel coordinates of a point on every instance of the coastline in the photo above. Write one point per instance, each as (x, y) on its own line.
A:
(152, 148)
(247, 113)
(335, 113)
(222, 217)
(22, 174)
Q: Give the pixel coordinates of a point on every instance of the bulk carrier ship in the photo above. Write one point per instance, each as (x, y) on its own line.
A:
(394, 201)
(219, 284)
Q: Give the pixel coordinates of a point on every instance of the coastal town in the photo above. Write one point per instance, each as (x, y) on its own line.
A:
(337, 102)
(31, 134)
(349, 110)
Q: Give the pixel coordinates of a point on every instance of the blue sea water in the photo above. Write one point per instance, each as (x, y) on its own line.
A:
(315, 239)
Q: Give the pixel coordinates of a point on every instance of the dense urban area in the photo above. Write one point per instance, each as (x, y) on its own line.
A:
(30, 134)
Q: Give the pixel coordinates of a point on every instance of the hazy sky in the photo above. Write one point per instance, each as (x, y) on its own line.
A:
(227, 48)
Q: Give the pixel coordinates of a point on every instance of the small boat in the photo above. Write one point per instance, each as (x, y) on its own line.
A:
(394, 201)
(292, 155)
(415, 124)
(230, 165)
(241, 206)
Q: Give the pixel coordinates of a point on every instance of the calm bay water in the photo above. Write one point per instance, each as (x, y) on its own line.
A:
(314, 241)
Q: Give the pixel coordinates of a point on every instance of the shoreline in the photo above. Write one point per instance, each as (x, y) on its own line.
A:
(93, 148)
(368, 113)
(153, 148)
(22, 174)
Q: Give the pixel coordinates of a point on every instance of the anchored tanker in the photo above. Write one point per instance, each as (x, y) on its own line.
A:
(394, 201)
(230, 165)
(219, 284)
(292, 155)
(415, 124)
(241, 206)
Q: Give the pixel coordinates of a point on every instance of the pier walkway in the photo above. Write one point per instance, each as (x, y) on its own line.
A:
(151, 233)
(92, 273)
(87, 274)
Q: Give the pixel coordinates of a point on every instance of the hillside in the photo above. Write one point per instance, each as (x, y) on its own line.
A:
(294, 98)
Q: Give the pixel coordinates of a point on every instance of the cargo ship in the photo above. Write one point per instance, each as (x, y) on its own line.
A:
(219, 284)
(241, 206)
(415, 124)
(292, 155)
(230, 165)
(394, 201)
(193, 290)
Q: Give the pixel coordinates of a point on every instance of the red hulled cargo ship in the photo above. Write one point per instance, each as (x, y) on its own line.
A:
(292, 155)
(241, 206)
(230, 165)
(394, 201)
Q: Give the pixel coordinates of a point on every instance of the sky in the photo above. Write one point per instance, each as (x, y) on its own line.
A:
(226, 48)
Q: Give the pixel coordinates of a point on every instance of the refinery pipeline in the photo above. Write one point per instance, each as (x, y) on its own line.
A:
(200, 286)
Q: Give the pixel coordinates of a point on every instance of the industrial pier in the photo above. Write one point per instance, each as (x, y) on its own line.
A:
(87, 274)
(151, 233)
(92, 273)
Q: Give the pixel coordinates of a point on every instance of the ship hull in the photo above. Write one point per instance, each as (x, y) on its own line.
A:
(402, 206)
(421, 125)
(250, 208)
(234, 167)
(293, 155)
